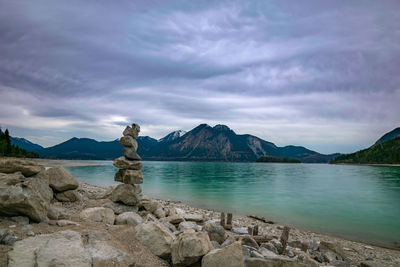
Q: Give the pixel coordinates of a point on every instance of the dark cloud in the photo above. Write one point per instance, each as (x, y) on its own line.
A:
(317, 73)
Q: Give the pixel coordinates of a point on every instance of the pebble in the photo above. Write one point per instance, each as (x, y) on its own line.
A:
(30, 233)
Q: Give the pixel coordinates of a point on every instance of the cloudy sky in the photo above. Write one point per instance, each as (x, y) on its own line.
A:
(322, 74)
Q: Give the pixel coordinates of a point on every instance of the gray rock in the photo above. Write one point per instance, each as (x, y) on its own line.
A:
(124, 163)
(128, 176)
(249, 241)
(3, 233)
(189, 247)
(266, 252)
(68, 196)
(9, 240)
(215, 231)
(63, 223)
(272, 262)
(174, 219)
(26, 167)
(130, 153)
(331, 251)
(127, 194)
(57, 213)
(128, 141)
(270, 246)
(29, 197)
(63, 248)
(156, 237)
(189, 225)
(160, 213)
(20, 220)
(130, 218)
(119, 208)
(132, 131)
(99, 249)
(31, 233)
(228, 241)
(369, 263)
(240, 231)
(215, 244)
(149, 204)
(231, 256)
(61, 180)
(98, 214)
(170, 226)
(194, 217)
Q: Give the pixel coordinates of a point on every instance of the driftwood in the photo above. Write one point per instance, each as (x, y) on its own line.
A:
(262, 219)
(284, 238)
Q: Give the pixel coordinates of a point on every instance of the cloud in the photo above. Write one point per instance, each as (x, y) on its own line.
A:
(316, 73)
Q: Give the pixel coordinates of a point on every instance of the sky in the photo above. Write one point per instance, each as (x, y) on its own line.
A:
(321, 74)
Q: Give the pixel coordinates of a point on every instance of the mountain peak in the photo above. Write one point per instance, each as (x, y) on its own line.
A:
(389, 136)
(222, 128)
(172, 136)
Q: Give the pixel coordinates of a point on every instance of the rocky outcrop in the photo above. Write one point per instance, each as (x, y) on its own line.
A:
(26, 167)
(24, 196)
(61, 180)
(63, 248)
(156, 237)
(228, 256)
(98, 214)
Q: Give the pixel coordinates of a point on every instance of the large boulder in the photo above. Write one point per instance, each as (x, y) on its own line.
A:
(61, 180)
(156, 237)
(127, 194)
(63, 248)
(26, 167)
(231, 256)
(98, 214)
(124, 163)
(129, 176)
(68, 196)
(131, 218)
(189, 247)
(24, 196)
(215, 231)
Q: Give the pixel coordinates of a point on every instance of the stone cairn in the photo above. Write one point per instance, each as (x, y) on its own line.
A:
(129, 172)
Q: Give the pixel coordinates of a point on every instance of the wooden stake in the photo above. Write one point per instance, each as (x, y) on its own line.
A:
(229, 222)
(250, 230)
(255, 230)
(222, 219)
(285, 238)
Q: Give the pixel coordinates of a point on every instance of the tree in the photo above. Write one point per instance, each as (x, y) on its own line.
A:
(8, 143)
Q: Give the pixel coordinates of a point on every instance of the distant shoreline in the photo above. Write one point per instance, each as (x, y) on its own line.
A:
(368, 164)
(64, 162)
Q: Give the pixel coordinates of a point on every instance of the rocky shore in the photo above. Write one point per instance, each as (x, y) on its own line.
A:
(49, 219)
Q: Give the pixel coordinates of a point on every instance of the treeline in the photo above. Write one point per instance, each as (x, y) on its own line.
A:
(269, 159)
(383, 153)
(9, 150)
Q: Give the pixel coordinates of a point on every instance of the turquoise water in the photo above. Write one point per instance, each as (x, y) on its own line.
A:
(355, 202)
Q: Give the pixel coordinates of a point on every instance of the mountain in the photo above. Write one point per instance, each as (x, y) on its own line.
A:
(172, 136)
(220, 143)
(10, 149)
(25, 144)
(389, 136)
(203, 143)
(380, 153)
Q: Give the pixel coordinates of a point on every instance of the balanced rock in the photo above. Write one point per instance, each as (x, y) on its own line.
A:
(128, 141)
(231, 255)
(156, 237)
(26, 167)
(61, 180)
(124, 163)
(20, 196)
(130, 153)
(132, 131)
(127, 194)
(98, 214)
(189, 247)
(129, 176)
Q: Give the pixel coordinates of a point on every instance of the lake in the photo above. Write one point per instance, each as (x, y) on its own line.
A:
(355, 202)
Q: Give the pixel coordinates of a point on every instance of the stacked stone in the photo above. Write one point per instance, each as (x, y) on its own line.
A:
(129, 166)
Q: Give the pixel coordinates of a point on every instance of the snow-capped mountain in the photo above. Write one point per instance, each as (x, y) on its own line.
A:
(172, 136)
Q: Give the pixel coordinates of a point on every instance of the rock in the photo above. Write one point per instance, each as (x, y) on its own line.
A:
(228, 241)
(124, 163)
(30, 233)
(215, 231)
(270, 246)
(3, 233)
(193, 217)
(266, 252)
(249, 241)
(331, 251)
(170, 226)
(215, 244)
(20, 220)
(228, 256)
(61, 180)
(128, 141)
(130, 153)
(189, 225)
(119, 208)
(127, 194)
(26, 167)
(132, 131)
(29, 197)
(68, 196)
(149, 204)
(9, 240)
(57, 213)
(189, 247)
(62, 223)
(256, 254)
(272, 262)
(130, 218)
(63, 248)
(175, 219)
(100, 250)
(128, 176)
(98, 214)
(160, 213)
(156, 237)
(240, 231)
(369, 263)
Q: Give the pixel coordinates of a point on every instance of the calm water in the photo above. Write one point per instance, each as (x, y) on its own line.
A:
(356, 202)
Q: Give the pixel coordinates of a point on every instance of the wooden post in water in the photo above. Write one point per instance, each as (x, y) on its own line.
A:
(229, 222)
(285, 238)
(255, 230)
(222, 219)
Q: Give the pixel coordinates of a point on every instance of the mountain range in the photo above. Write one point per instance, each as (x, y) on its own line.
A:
(203, 143)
